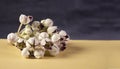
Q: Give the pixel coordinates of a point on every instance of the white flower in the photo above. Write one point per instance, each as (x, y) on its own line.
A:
(51, 29)
(28, 45)
(28, 30)
(44, 37)
(37, 34)
(57, 43)
(25, 53)
(47, 22)
(62, 33)
(25, 19)
(12, 38)
(19, 40)
(55, 37)
(54, 51)
(39, 51)
(35, 25)
(32, 41)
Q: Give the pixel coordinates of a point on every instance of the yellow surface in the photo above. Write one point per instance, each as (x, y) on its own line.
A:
(80, 54)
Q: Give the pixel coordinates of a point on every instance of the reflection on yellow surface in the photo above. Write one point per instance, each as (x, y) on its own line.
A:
(80, 54)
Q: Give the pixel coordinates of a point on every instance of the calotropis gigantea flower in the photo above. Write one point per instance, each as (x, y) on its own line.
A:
(47, 22)
(43, 37)
(55, 37)
(39, 52)
(51, 29)
(36, 25)
(12, 38)
(20, 44)
(38, 38)
(32, 41)
(54, 50)
(25, 52)
(36, 34)
(27, 32)
(25, 19)
(64, 35)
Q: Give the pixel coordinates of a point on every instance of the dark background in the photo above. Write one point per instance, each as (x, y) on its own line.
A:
(82, 19)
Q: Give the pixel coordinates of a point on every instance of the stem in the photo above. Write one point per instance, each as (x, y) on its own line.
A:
(19, 28)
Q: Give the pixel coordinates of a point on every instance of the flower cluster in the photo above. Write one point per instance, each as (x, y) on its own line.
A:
(39, 37)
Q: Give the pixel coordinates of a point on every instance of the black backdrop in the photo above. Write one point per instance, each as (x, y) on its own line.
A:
(82, 19)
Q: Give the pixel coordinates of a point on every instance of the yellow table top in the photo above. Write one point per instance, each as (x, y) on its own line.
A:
(80, 54)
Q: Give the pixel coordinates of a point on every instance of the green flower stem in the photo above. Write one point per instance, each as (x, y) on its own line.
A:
(19, 28)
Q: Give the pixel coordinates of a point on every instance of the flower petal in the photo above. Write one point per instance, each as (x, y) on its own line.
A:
(12, 38)
(37, 42)
(43, 42)
(54, 51)
(62, 33)
(31, 40)
(23, 18)
(51, 29)
(28, 45)
(44, 35)
(39, 53)
(40, 38)
(47, 39)
(25, 52)
(55, 37)
(48, 22)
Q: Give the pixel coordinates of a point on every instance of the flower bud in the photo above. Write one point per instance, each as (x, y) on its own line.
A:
(28, 31)
(33, 41)
(12, 38)
(25, 53)
(35, 25)
(62, 33)
(54, 51)
(39, 53)
(55, 37)
(51, 29)
(28, 45)
(37, 34)
(43, 42)
(25, 19)
(47, 22)
(43, 35)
